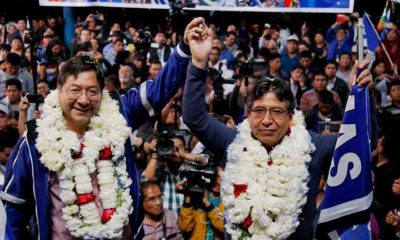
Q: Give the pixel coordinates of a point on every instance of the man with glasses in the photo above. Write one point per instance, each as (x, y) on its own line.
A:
(73, 172)
(273, 165)
(159, 223)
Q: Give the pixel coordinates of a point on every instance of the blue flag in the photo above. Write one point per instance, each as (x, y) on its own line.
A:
(348, 196)
(372, 36)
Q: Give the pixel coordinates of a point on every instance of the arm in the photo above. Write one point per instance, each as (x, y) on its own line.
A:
(213, 134)
(330, 34)
(152, 96)
(17, 192)
(186, 220)
(216, 216)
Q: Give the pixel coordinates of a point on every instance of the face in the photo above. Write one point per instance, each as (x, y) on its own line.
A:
(11, 29)
(325, 108)
(319, 38)
(344, 60)
(340, 34)
(292, 46)
(125, 74)
(152, 201)
(85, 36)
(13, 94)
(116, 27)
(217, 43)
(303, 47)
(154, 69)
(3, 120)
(11, 69)
(214, 56)
(395, 93)
(179, 147)
(305, 62)
(21, 25)
(16, 44)
(56, 49)
(296, 73)
(379, 69)
(217, 186)
(271, 45)
(95, 44)
(269, 129)
(118, 46)
(330, 70)
(43, 89)
(160, 38)
(275, 64)
(391, 36)
(230, 40)
(320, 83)
(78, 112)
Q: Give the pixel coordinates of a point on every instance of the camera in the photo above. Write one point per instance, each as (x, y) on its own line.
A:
(199, 178)
(165, 146)
(35, 98)
(219, 108)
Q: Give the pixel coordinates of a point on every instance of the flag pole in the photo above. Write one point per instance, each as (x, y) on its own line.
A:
(382, 45)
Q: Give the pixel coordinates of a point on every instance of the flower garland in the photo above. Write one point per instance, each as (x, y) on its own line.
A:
(263, 193)
(102, 152)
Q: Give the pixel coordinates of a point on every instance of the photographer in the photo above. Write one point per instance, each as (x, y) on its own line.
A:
(31, 107)
(159, 49)
(168, 169)
(206, 222)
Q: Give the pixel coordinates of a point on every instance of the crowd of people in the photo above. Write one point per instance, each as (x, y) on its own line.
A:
(174, 145)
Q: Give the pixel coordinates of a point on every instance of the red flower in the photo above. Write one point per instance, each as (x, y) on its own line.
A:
(245, 149)
(105, 154)
(85, 198)
(269, 162)
(239, 188)
(77, 155)
(289, 131)
(246, 223)
(107, 213)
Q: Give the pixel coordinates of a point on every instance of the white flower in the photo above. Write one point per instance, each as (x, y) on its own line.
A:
(275, 193)
(56, 145)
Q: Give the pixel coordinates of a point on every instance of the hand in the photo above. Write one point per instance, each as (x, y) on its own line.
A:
(392, 218)
(180, 185)
(194, 23)
(24, 104)
(36, 114)
(396, 187)
(200, 42)
(364, 78)
(205, 199)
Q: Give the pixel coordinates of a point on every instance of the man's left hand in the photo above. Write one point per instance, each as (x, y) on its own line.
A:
(364, 78)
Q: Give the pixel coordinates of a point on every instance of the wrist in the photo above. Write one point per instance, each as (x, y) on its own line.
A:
(199, 64)
(153, 155)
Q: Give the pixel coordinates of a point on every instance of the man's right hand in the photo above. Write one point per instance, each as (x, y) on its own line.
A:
(24, 104)
(200, 42)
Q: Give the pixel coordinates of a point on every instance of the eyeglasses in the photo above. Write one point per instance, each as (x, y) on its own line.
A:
(75, 93)
(153, 200)
(275, 113)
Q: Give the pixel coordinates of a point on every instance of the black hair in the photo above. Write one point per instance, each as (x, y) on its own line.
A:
(331, 62)
(319, 73)
(273, 56)
(297, 66)
(77, 65)
(345, 53)
(228, 34)
(326, 96)
(43, 81)
(306, 54)
(391, 84)
(14, 82)
(215, 48)
(145, 185)
(278, 86)
(13, 59)
(154, 61)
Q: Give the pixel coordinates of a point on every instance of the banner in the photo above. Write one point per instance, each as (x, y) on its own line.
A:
(318, 6)
(348, 195)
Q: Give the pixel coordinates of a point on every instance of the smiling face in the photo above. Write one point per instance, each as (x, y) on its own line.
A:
(77, 112)
(268, 129)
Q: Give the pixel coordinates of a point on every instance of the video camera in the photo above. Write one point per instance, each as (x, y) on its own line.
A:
(199, 178)
(165, 146)
(218, 81)
(143, 45)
